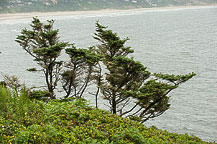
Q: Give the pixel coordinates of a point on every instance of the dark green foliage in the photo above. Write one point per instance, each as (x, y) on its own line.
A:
(128, 81)
(121, 76)
(39, 95)
(14, 105)
(125, 81)
(3, 83)
(125, 75)
(152, 97)
(32, 69)
(82, 55)
(79, 70)
(42, 43)
(23, 119)
(175, 79)
(75, 122)
(111, 45)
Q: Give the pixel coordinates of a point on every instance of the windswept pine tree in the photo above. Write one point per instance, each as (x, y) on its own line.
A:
(128, 81)
(130, 89)
(78, 71)
(42, 43)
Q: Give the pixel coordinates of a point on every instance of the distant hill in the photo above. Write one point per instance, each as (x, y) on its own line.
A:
(14, 6)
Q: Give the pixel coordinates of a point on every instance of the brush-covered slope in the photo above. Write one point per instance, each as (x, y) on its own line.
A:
(77, 123)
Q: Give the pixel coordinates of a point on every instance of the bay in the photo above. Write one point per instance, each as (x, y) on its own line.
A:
(174, 41)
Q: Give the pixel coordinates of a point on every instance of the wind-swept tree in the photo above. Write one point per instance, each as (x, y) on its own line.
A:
(79, 71)
(123, 73)
(42, 43)
(128, 81)
(111, 44)
(151, 99)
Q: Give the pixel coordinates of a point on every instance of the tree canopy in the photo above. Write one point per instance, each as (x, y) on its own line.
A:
(128, 81)
(42, 43)
(130, 89)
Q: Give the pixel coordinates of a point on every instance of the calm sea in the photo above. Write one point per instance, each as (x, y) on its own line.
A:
(169, 41)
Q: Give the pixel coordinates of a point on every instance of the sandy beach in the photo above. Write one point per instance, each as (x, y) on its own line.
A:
(105, 11)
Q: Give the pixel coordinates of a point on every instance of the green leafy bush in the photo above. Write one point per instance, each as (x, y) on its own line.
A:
(74, 121)
(39, 95)
(13, 103)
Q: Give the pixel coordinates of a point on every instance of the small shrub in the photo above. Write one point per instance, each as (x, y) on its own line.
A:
(39, 95)
(75, 122)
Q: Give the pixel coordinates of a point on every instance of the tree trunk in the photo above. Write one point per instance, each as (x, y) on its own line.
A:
(114, 111)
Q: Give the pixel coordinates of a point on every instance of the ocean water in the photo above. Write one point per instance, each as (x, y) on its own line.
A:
(174, 41)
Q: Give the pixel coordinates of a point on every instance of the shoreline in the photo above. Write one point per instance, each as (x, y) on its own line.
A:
(10, 16)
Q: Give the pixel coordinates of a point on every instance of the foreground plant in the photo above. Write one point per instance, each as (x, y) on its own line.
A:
(76, 122)
(15, 105)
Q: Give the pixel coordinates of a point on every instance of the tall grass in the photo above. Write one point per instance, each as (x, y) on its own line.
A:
(14, 104)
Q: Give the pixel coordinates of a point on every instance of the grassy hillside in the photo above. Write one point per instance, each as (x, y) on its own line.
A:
(13, 6)
(25, 121)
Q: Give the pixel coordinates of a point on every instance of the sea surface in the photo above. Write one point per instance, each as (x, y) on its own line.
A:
(174, 41)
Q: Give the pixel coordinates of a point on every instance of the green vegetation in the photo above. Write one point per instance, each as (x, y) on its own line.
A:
(29, 115)
(42, 43)
(79, 70)
(16, 6)
(129, 82)
(24, 121)
(122, 82)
